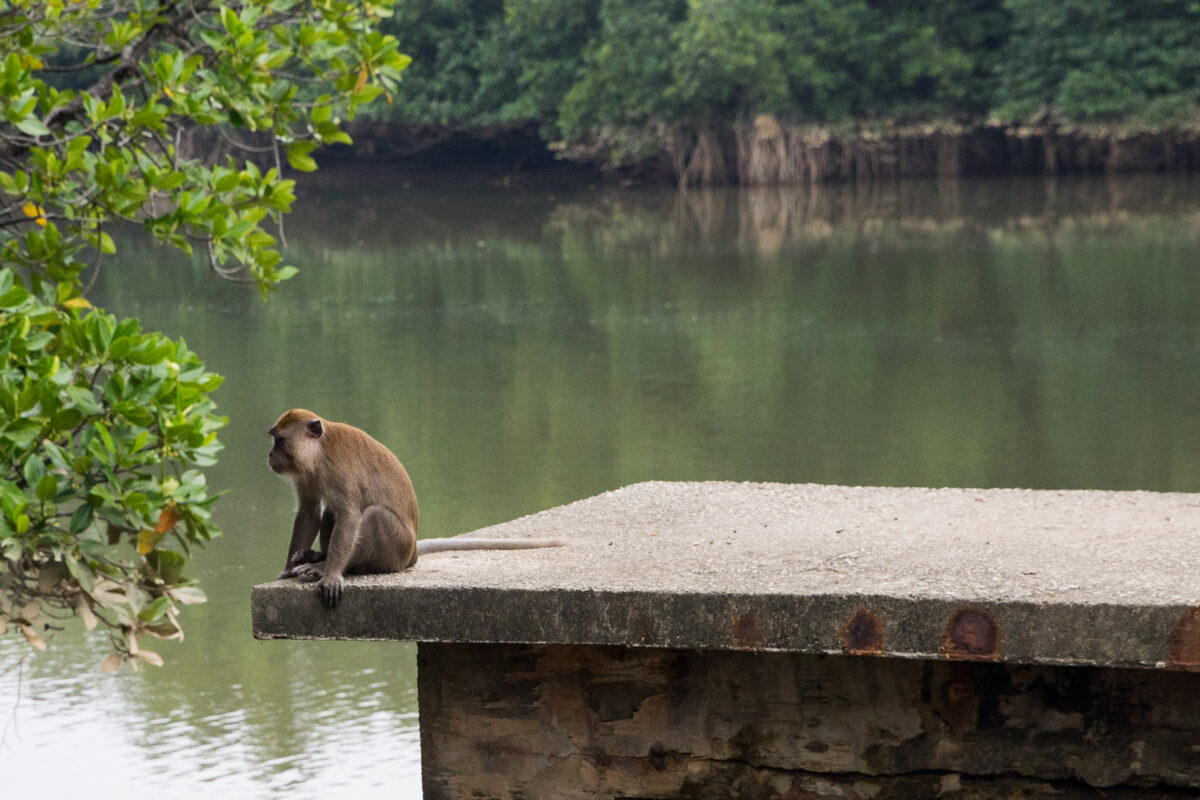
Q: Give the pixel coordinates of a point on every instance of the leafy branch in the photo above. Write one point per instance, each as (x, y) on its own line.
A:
(105, 428)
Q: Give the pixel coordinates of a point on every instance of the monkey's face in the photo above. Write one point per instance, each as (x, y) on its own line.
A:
(280, 459)
(296, 445)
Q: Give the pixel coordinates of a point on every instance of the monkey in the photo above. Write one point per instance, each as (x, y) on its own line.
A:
(355, 496)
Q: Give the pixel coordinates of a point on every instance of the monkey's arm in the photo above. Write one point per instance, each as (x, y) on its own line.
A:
(460, 543)
(343, 539)
(304, 533)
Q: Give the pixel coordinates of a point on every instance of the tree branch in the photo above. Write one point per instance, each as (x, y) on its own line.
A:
(126, 68)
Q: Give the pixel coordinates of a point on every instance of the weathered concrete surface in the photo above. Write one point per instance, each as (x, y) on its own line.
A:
(563, 721)
(1038, 577)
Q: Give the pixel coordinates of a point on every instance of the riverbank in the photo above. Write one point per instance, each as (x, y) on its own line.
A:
(766, 152)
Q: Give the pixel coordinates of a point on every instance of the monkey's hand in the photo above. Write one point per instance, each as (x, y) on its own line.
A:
(330, 586)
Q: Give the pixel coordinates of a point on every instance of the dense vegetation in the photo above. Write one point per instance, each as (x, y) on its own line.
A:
(626, 73)
(105, 428)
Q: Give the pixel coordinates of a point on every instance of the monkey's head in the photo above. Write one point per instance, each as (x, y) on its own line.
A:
(297, 434)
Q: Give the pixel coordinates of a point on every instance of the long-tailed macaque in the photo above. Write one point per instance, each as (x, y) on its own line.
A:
(356, 495)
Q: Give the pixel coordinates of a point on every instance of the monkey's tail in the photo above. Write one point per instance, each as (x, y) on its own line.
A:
(461, 543)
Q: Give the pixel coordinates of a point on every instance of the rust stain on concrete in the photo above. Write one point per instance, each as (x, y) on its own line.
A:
(971, 635)
(745, 631)
(1185, 641)
(862, 634)
(956, 701)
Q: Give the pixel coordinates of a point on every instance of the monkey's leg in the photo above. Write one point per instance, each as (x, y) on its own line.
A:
(374, 541)
(384, 544)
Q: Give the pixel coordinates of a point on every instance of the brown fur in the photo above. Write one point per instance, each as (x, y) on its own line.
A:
(352, 492)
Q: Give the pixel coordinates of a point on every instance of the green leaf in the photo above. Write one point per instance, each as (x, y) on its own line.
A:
(155, 610)
(102, 431)
(116, 104)
(34, 471)
(47, 488)
(168, 564)
(31, 126)
(81, 519)
(298, 158)
(21, 431)
(67, 418)
(14, 297)
(121, 347)
(133, 412)
(226, 182)
(85, 399)
(12, 500)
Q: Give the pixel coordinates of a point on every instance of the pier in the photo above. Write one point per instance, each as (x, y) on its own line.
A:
(699, 640)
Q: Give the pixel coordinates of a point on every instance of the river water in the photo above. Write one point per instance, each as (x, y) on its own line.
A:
(523, 348)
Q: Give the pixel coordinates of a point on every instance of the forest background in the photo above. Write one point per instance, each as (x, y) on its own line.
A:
(787, 91)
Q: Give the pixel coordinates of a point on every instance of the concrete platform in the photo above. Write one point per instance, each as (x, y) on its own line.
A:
(1015, 576)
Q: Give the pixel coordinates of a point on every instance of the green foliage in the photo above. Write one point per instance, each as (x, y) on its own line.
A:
(615, 69)
(726, 57)
(625, 72)
(488, 62)
(1102, 61)
(104, 427)
(83, 158)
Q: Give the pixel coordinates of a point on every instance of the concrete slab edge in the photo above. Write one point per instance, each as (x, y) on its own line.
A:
(896, 627)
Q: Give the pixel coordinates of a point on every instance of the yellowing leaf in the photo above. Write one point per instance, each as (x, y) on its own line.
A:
(188, 595)
(148, 540)
(362, 78)
(77, 303)
(112, 662)
(85, 611)
(167, 91)
(150, 657)
(168, 518)
(35, 212)
(30, 612)
(168, 630)
(33, 638)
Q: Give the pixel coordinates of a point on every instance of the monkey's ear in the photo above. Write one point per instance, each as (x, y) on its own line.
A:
(314, 429)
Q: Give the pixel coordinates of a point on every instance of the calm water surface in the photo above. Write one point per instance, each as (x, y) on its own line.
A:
(524, 348)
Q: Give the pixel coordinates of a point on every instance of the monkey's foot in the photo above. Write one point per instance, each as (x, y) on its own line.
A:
(294, 563)
(309, 572)
(307, 556)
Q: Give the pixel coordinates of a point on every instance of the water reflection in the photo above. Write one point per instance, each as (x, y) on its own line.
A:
(520, 349)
